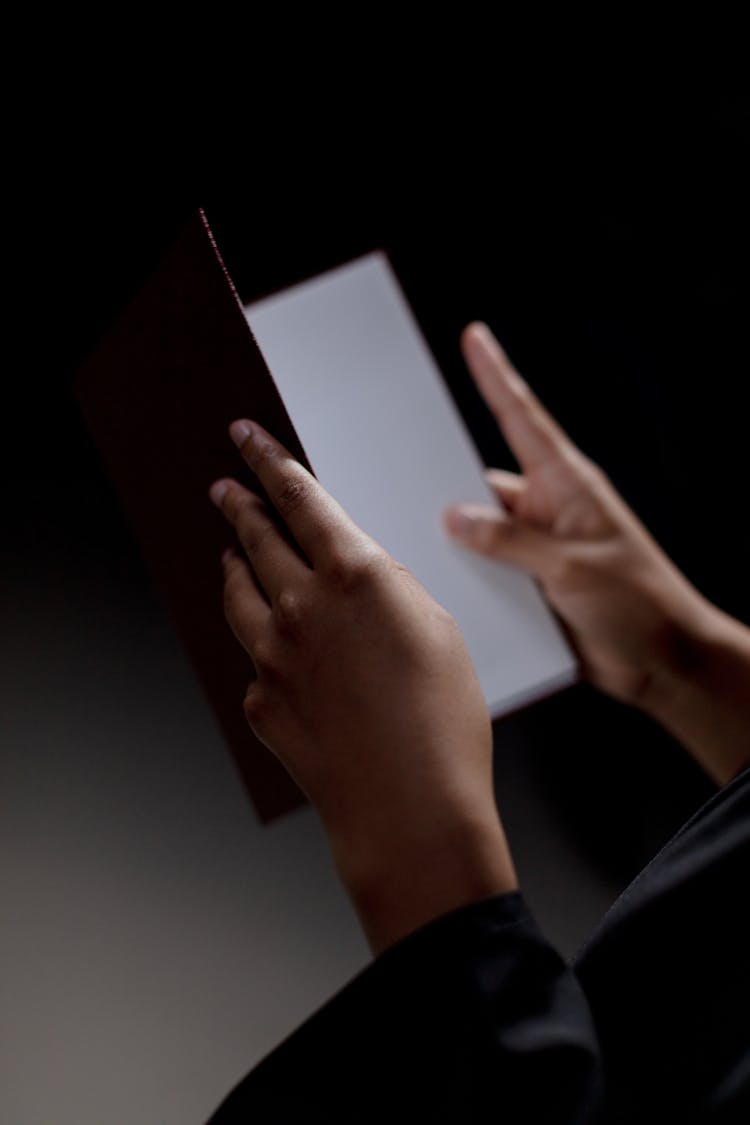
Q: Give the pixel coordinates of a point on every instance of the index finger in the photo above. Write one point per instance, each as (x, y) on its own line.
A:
(530, 430)
(314, 518)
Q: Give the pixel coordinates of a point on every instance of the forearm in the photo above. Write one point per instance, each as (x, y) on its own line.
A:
(702, 692)
(405, 880)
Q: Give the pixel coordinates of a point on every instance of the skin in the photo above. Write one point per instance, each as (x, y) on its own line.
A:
(366, 692)
(642, 632)
(362, 684)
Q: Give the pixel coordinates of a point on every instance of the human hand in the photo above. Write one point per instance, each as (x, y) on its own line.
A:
(365, 690)
(622, 600)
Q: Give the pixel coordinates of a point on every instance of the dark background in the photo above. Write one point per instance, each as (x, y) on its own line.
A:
(603, 236)
(156, 941)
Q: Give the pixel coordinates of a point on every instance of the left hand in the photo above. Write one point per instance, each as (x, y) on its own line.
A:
(365, 689)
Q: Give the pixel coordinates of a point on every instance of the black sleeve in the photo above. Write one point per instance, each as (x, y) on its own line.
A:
(475, 1017)
(667, 975)
(471, 1016)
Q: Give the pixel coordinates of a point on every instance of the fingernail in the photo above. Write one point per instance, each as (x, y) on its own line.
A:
(240, 430)
(459, 521)
(217, 491)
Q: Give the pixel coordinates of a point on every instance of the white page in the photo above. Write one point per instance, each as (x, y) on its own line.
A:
(386, 439)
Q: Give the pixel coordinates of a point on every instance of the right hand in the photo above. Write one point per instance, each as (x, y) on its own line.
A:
(623, 602)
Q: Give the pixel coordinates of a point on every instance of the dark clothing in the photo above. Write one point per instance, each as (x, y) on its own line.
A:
(474, 1017)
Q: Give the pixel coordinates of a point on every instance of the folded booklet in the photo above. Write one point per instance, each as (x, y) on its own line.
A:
(337, 368)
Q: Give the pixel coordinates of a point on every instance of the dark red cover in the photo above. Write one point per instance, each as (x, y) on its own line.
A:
(158, 394)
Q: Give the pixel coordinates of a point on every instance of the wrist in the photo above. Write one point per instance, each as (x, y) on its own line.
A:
(700, 690)
(411, 874)
(684, 639)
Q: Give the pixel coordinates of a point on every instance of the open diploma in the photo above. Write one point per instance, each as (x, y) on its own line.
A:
(385, 438)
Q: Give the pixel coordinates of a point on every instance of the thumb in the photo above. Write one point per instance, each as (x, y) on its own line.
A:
(500, 535)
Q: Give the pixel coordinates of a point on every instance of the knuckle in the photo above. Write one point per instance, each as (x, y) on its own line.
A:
(348, 573)
(289, 611)
(293, 493)
(445, 620)
(522, 392)
(600, 479)
(255, 704)
(521, 395)
(400, 568)
(588, 472)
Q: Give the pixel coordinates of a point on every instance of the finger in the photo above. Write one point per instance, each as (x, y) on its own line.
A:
(315, 519)
(246, 610)
(275, 562)
(500, 536)
(530, 430)
(510, 487)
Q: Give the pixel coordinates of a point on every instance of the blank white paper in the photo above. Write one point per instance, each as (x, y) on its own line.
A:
(386, 439)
